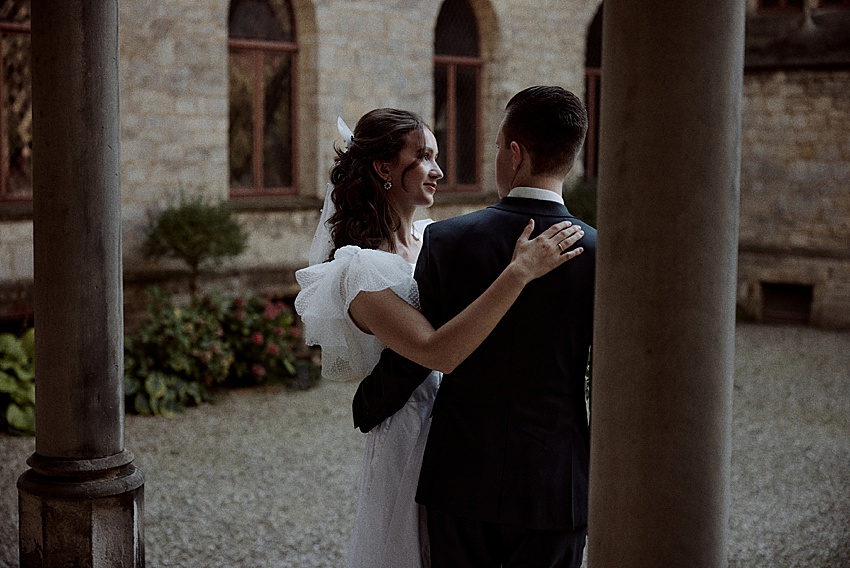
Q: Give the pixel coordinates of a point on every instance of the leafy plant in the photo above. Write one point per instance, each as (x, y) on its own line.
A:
(580, 198)
(197, 232)
(17, 383)
(177, 354)
(181, 353)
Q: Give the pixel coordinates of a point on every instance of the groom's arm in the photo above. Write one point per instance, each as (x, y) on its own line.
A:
(386, 389)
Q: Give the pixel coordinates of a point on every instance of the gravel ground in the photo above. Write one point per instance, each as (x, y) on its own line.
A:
(268, 478)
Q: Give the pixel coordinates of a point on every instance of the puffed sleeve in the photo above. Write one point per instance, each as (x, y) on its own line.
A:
(327, 289)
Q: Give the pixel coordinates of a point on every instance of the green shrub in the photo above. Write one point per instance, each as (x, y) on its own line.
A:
(17, 383)
(580, 199)
(177, 354)
(197, 232)
(181, 354)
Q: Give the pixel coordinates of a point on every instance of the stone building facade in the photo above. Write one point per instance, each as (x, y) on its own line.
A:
(794, 252)
(352, 56)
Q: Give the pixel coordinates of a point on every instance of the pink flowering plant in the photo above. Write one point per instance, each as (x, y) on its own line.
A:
(262, 334)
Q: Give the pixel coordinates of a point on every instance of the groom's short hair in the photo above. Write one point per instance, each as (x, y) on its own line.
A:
(550, 122)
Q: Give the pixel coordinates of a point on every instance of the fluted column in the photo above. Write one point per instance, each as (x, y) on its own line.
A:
(665, 304)
(81, 502)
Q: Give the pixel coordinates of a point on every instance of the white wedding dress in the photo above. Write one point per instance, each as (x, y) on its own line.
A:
(389, 528)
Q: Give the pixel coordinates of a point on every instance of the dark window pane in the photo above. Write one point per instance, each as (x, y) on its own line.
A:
(593, 90)
(441, 115)
(277, 132)
(17, 115)
(465, 125)
(268, 20)
(457, 30)
(769, 3)
(456, 88)
(241, 120)
(786, 303)
(15, 11)
(593, 51)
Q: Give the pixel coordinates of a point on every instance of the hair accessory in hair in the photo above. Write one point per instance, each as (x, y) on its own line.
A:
(345, 132)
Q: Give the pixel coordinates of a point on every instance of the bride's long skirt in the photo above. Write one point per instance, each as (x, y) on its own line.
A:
(389, 528)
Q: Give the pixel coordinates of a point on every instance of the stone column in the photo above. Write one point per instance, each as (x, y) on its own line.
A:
(665, 305)
(81, 502)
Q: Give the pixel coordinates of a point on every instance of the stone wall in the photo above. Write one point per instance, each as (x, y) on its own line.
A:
(795, 188)
(357, 55)
(174, 111)
(16, 268)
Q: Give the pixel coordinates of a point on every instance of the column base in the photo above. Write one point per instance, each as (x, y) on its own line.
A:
(85, 513)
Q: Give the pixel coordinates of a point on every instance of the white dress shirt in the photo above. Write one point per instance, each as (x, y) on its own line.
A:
(536, 193)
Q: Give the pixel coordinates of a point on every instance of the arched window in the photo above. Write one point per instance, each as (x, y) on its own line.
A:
(457, 95)
(15, 102)
(262, 76)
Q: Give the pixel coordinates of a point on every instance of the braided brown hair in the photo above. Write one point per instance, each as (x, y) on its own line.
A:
(363, 216)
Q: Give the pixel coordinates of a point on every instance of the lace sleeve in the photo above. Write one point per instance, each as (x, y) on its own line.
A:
(326, 292)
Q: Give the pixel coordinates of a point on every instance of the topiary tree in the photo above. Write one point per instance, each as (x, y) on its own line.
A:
(197, 232)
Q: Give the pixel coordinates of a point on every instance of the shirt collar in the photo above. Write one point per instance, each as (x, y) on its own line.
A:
(536, 193)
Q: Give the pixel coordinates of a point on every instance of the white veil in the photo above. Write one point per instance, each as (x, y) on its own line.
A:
(322, 244)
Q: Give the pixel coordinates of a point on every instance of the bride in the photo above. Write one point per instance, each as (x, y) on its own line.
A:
(358, 296)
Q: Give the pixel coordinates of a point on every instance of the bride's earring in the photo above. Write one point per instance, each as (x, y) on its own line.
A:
(388, 185)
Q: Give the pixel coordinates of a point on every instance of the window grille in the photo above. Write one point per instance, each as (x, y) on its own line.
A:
(15, 102)
(262, 75)
(457, 95)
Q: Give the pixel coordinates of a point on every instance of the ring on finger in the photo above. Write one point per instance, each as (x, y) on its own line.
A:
(561, 248)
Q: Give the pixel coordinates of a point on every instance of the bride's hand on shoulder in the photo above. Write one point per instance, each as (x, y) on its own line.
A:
(535, 257)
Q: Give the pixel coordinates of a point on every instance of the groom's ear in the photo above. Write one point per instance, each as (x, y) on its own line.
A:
(517, 154)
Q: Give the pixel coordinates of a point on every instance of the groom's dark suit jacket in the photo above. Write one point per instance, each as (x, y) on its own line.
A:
(509, 438)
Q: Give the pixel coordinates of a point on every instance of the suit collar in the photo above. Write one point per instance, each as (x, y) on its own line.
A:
(528, 206)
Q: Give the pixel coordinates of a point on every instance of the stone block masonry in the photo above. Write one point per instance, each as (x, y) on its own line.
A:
(795, 190)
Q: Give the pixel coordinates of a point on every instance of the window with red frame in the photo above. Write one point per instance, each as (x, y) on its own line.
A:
(262, 73)
(15, 102)
(781, 5)
(592, 94)
(457, 95)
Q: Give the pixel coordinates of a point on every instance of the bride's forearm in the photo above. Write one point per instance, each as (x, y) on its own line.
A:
(459, 337)
(407, 332)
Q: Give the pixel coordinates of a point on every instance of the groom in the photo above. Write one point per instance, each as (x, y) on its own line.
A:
(505, 471)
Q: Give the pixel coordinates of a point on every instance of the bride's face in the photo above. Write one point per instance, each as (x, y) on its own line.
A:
(415, 173)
